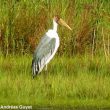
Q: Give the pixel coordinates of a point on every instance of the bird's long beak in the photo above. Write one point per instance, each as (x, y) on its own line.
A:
(62, 22)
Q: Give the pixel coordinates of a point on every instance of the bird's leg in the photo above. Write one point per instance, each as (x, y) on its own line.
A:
(45, 67)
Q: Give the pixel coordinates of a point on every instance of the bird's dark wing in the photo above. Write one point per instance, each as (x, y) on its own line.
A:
(43, 52)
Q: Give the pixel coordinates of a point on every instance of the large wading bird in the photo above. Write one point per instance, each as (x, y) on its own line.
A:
(47, 47)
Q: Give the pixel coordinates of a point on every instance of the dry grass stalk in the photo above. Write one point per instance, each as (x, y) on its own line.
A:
(104, 45)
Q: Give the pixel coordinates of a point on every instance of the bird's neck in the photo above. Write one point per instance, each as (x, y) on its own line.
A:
(55, 25)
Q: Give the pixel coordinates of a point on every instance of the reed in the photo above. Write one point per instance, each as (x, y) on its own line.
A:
(24, 22)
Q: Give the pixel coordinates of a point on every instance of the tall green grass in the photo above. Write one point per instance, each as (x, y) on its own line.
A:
(68, 82)
(24, 22)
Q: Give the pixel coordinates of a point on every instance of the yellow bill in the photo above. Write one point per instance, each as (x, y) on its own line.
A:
(62, 22)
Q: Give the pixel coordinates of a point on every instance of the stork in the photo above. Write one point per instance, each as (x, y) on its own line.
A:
(47, 47)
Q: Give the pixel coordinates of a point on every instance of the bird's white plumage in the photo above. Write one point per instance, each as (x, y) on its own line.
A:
(53, 34)
(45, 50)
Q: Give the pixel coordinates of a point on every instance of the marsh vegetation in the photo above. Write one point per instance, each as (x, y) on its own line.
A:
(78, 76)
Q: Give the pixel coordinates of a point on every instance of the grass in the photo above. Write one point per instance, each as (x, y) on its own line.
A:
(24, 22)
(80, 80)
(69, 82)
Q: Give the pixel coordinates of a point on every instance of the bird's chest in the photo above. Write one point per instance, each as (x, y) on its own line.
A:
(57, 42)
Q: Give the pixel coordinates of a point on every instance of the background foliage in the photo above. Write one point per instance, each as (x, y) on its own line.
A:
(24, 22)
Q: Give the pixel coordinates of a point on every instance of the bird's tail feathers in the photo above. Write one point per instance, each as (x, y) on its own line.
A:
(35, 68)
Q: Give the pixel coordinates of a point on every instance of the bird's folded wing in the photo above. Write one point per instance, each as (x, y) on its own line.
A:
(44, 50)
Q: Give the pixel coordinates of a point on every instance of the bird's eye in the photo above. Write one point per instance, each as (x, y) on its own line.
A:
(56, 18)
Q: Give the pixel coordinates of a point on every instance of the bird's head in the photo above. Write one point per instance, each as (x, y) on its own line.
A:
(60, 21)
